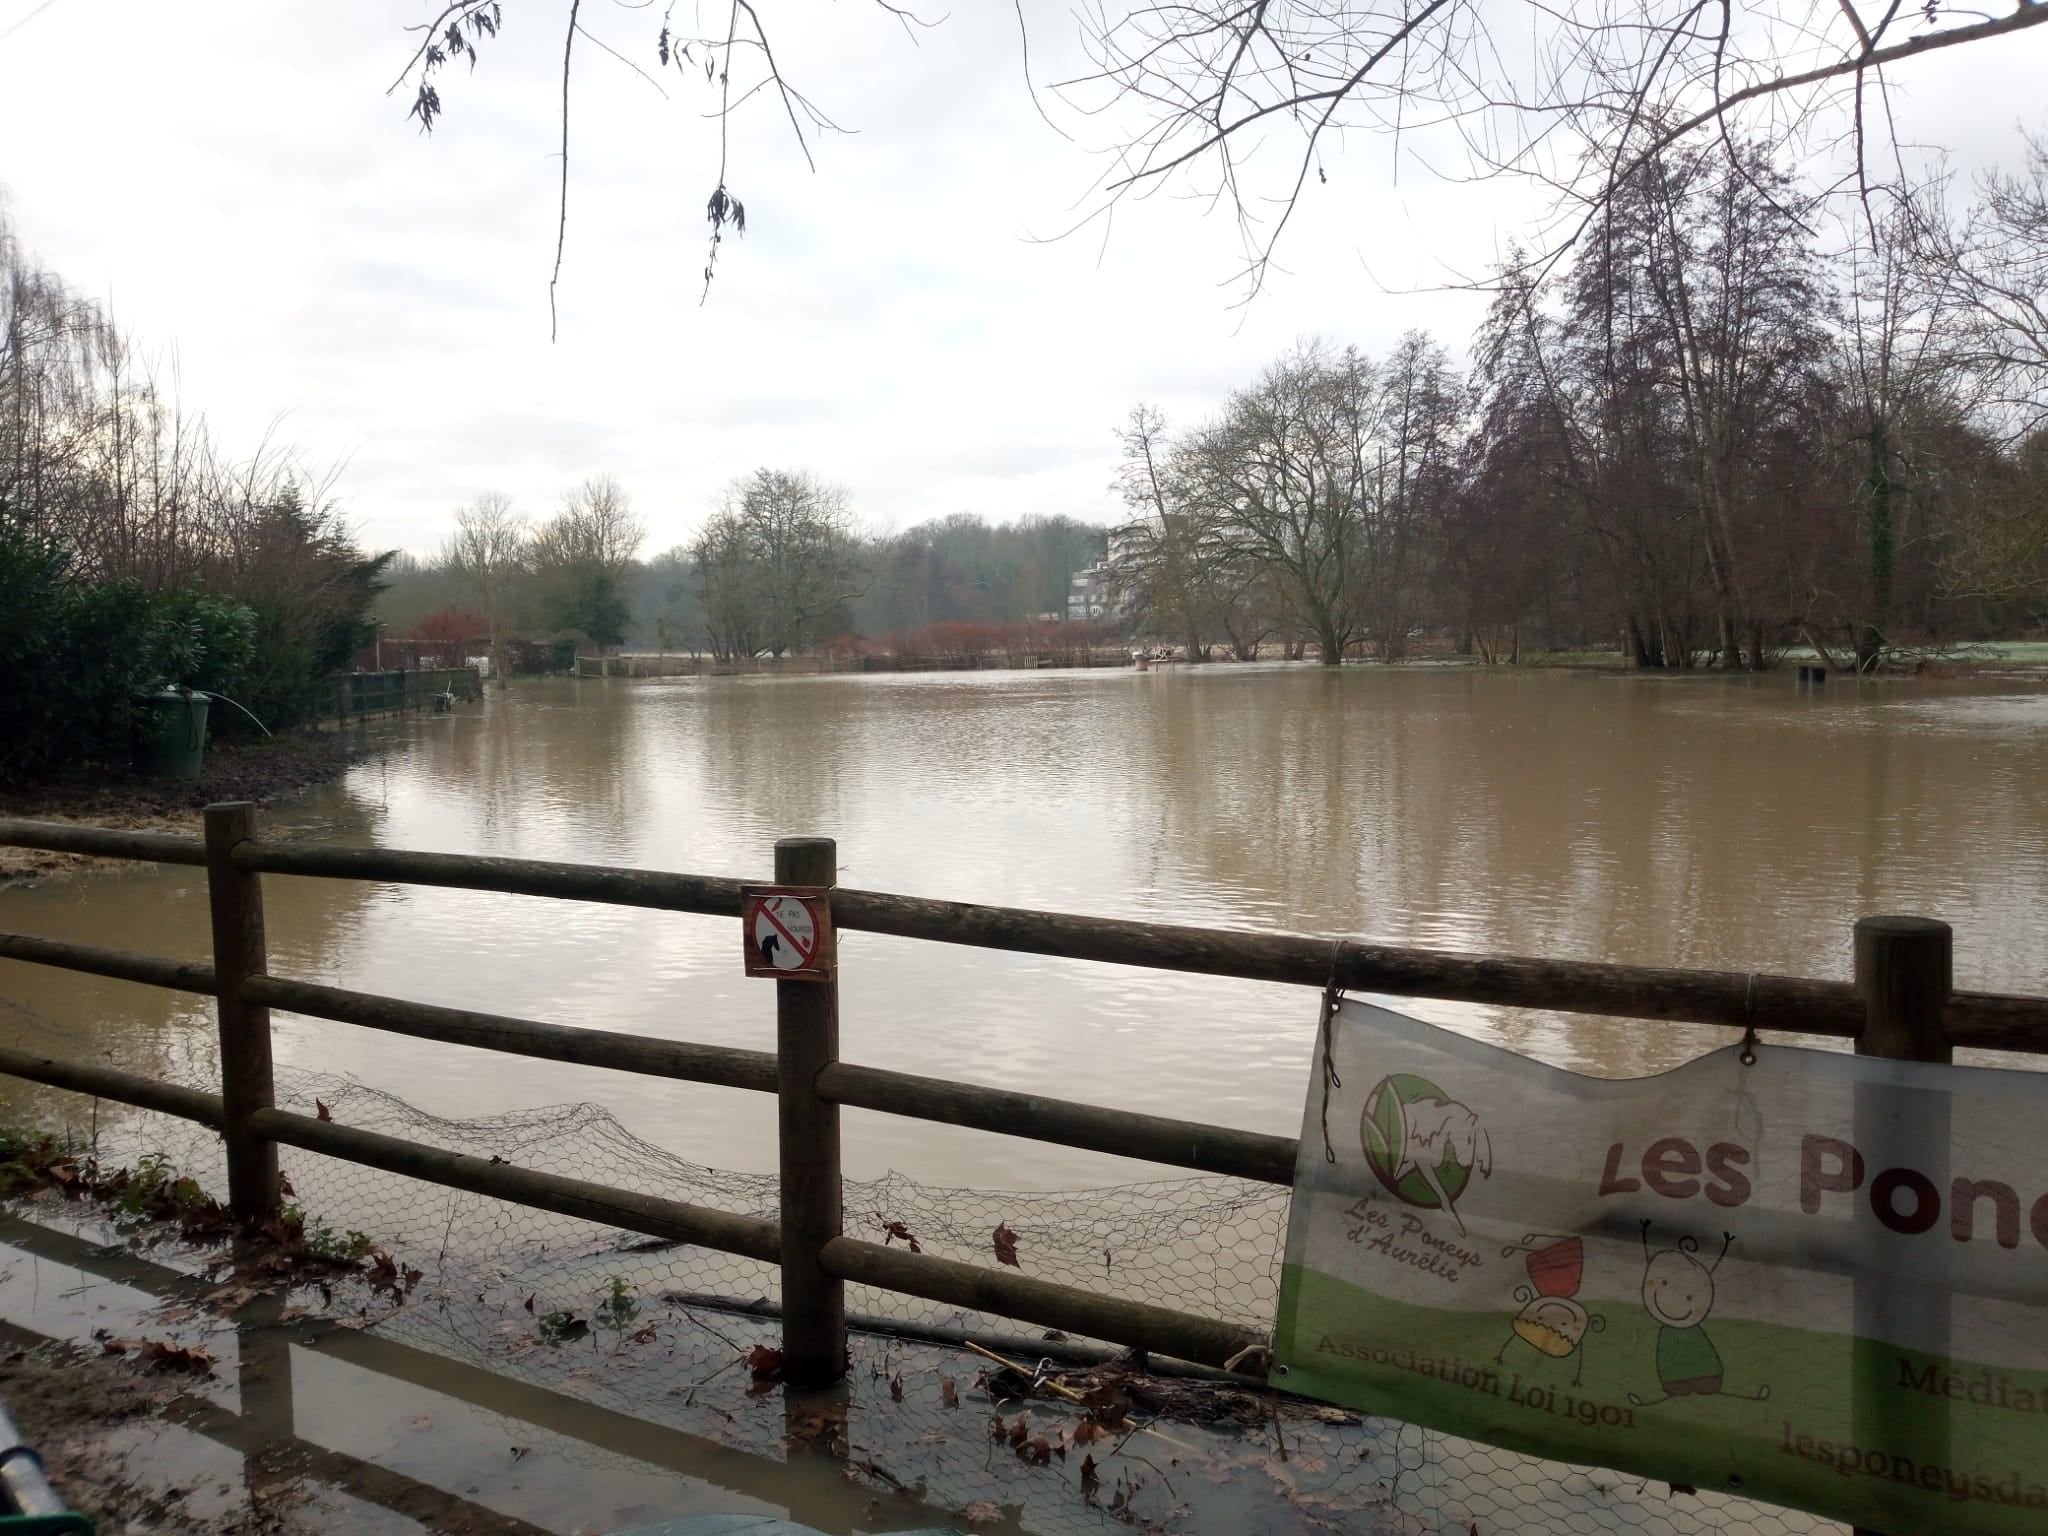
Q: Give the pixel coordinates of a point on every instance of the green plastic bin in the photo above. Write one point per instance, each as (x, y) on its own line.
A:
(170, 734)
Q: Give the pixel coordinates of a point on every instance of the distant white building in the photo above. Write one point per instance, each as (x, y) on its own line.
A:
(1089, 598)
(1097, 593)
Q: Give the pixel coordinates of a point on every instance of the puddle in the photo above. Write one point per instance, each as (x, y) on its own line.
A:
(480, 1407)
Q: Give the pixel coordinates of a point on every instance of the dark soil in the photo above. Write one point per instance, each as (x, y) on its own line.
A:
(262, 771)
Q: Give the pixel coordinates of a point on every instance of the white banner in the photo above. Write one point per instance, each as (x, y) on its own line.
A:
(1819, 1280)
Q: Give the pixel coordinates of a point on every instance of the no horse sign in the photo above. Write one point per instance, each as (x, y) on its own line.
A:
(788, 931)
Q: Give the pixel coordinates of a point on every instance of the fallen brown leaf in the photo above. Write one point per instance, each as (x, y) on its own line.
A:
(896, 1388)
(1109, 1407)
(1006, 1246)
(949, 1393)
(162, 1356)
(1091, 1480)
(322, 1110)
(764, 1361)
(892, 1230)
(982, 1512)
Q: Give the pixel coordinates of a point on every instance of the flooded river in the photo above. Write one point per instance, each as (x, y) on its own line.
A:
(1727, 823)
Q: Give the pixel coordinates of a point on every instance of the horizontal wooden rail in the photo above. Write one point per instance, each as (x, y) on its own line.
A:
(102, 842)
(1996, 1021)
(121, 1087)
(648, 1055)
(696, 1225)
(1731, 998)
(1183, 1335)
(120, 964)
(1151, 1138)
(709, 894)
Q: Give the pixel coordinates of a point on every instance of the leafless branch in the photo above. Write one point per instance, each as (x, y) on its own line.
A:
(562, 209)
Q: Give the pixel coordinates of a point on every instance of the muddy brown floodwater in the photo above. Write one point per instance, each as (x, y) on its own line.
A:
(1733, 823)
(1703, 822)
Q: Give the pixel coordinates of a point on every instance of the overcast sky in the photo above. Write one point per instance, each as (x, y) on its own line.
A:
(231, 177)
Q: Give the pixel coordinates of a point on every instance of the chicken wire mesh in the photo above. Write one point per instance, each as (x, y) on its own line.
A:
(925, 1432)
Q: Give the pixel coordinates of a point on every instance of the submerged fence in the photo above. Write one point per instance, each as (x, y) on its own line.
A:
(358, 695)
(1901, 1004)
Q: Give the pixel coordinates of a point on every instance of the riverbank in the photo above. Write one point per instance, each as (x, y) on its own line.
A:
(263, 771)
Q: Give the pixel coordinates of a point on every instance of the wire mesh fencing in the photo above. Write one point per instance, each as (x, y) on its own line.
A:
(927, 1431)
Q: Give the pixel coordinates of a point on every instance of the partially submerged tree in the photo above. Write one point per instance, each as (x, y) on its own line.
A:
(778, 565)
(581, 558)
(488, 552)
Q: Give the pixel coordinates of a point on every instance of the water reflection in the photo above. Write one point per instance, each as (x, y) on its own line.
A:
(1741, 824)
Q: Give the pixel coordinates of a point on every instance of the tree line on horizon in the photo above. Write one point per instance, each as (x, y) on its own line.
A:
(1707, 436)
(780, 567)
(1716, 427)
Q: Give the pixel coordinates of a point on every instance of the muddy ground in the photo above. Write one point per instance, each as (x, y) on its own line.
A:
(260, 771)
(82, 1409)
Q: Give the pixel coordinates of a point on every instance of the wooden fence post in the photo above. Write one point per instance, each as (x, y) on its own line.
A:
(236, 900)
(806, 1042)
(1904, 974)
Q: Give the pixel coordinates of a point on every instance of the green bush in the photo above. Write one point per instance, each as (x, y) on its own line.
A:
(75, 656)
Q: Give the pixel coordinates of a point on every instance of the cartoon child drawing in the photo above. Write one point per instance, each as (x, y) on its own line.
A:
(1552, 1321)
(1678, 1291)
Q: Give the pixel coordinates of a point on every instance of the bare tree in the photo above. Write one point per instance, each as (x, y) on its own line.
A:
(1183, 573)
(1995, 273)
(1420, 417)
(488, 552)
(581, 557)
(778, 564)
(1288, 458)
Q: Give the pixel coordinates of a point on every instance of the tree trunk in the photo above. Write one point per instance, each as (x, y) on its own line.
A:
(1331, 644)
(1635, 647)
(1870, 642)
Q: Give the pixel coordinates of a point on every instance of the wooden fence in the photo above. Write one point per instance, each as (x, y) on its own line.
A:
(1901, 1004)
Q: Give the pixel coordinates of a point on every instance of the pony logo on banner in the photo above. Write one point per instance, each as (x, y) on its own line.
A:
(1820, 1280)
